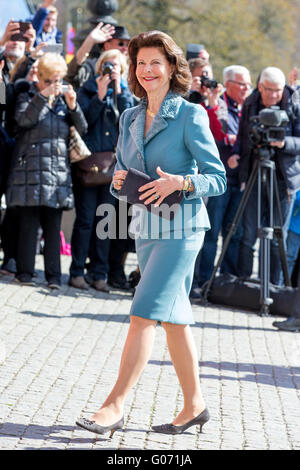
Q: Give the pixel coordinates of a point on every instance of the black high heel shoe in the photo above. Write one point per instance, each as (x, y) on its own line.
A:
(170, 428)
(97, 428)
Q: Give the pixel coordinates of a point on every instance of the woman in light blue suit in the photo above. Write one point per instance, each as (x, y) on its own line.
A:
(169, 139)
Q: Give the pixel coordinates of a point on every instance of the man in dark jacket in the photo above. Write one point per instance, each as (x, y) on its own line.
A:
(102, 38)
(271, 91)
(222, 209)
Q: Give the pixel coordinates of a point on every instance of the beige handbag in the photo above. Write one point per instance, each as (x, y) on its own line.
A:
(77, 147)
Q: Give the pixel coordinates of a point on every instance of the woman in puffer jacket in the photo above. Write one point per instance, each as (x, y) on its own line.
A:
(39, 182)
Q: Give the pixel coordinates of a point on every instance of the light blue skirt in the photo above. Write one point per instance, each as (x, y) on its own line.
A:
(167, 270)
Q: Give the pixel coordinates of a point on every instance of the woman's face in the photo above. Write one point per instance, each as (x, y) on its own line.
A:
(153, 70)
(32, 75)
(55, 79)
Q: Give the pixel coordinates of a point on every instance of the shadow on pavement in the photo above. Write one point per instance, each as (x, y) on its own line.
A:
(49, 433)
(120, 318)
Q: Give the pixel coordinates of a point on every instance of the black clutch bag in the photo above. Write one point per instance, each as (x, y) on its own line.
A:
(134, 180)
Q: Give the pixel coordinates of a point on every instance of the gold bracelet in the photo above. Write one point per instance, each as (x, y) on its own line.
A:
(187, 183)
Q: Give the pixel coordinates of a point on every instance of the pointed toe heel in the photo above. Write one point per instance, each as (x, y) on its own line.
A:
(170, 428)
(92, 426)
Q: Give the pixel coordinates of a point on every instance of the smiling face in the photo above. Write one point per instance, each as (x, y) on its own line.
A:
(271, 93)
(50, 22)
(238, 89)
(14, 50)
(153, 70)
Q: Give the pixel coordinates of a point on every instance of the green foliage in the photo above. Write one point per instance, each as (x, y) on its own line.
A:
(254, 33)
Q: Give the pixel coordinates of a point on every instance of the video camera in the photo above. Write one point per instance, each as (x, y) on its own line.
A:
(205, 81)
(269, 126)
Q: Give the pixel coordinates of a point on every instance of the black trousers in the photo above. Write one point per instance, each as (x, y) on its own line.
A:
(9, 231)
(30, 219)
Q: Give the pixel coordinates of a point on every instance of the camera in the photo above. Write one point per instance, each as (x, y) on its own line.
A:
(107, 68)
(205, 81)
(269, 126)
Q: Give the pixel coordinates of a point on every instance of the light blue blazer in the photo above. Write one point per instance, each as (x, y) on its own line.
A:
(180, 142)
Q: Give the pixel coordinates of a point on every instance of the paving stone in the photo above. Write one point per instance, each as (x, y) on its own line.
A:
(60, 355)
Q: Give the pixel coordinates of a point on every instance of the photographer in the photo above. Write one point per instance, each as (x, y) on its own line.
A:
(39, 182)
(102, 99)
(103, 37)
(206, 91)
(271, 91)
(222, 210)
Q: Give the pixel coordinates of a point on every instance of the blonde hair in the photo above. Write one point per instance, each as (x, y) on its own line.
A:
(105, 56)
(51, 9)
(51, 63)
(15, 68)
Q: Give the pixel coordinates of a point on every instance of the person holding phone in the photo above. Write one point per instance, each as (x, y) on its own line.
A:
(39, 181)
(103, 99)
(45, 24)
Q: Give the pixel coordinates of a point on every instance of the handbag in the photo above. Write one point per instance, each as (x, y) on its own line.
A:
(134, 180)
(77, 147)
(97, 169)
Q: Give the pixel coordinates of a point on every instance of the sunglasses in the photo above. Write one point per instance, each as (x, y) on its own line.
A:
(50, 82)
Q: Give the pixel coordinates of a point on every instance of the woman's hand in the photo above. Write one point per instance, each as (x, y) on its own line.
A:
(159, 189)
(213, 95)
(118, 179)
(38, 51)
(233, 161)
(116, 76)
(52, 90)
(13, 27)
(71, 98)
(102, 83)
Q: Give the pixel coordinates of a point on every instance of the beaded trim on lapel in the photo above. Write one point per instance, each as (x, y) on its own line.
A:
(168, 109)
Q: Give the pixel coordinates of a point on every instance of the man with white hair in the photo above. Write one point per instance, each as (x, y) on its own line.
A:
(221, 210)
(271, 91)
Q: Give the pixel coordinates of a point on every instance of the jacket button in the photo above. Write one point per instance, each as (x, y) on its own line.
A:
(107, 133)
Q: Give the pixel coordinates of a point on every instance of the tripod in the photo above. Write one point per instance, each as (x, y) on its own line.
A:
(264, 173)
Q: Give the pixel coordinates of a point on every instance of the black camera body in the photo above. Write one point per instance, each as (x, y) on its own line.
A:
(207, 82)
(269, 126)
(107, 68)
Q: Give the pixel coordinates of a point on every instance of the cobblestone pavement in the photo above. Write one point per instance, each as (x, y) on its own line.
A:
(60, 352)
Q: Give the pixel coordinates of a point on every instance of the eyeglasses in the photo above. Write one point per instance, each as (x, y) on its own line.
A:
(272, 90)
(241, 84)
(52, 82)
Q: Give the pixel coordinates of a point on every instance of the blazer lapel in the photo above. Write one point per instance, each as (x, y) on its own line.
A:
(168, 110)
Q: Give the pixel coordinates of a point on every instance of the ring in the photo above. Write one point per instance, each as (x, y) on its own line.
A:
(156, 196)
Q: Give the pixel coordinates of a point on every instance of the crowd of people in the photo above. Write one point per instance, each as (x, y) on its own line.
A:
(42, 97)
